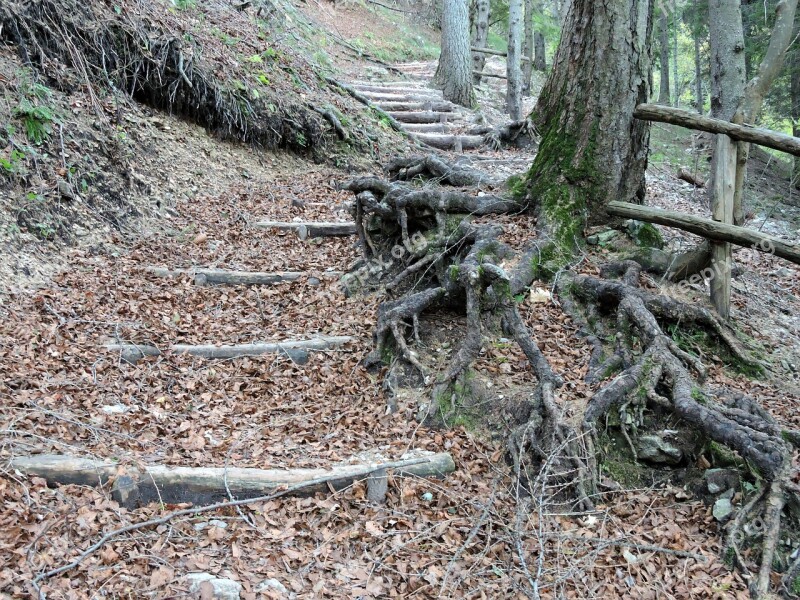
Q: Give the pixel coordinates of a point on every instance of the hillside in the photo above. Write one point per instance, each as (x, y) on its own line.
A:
(167, 303)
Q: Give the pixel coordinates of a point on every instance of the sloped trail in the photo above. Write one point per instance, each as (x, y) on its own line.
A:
(64, 392)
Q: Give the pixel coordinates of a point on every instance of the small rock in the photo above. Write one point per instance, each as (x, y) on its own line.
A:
(602, 238)
(223, 589)
(427, 497)
(218, 523)
(272, 585)
(657, 450)
(629, 557)
(115, 409)
(722, 509)
(313, 281)
(125, 492)
(719, 480)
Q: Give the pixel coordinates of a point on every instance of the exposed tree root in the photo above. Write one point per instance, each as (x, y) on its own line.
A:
(456, 263)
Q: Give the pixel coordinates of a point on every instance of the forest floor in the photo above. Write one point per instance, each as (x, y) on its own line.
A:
(462, 536)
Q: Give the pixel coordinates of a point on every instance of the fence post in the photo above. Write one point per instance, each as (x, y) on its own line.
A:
(722, 211)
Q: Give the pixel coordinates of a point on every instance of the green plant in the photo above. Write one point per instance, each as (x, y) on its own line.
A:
(185, 4)
(11, 163)
(37, 120)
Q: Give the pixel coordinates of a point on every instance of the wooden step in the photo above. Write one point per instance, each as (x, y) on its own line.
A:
(449, 142)
(413, 106)
(420, 117)
(297, 350)
(203, 276)
(310, 229)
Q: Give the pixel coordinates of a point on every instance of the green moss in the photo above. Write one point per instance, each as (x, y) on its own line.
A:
(796, 586)
(698, 395)
(453, 272)
(517, 185)
(699, 342)
(452, 403)
(648, 235)
(565, 181)
(722, 456)
(627, 474)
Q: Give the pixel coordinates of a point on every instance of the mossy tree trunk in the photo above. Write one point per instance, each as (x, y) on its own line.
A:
(592, 149)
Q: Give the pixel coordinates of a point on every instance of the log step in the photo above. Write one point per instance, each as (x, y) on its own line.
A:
(396, 89)
(207, 485)
(203, 276)
(416, 106)
(420, 117)
(297, 350)
(449, 142)
(311, 229)
(398, 97)
(426, 127)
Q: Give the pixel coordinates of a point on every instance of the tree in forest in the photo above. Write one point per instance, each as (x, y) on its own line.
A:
(539, 57)
(480, 37)
(450, 259)
(513, 70)
(527, 48)
(453, 73)
(663, 47)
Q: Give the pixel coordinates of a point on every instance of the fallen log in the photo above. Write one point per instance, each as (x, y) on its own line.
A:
(450, 142)
(399, 90)
(479, 74)
(742, 133)
(311, 229)
(416, 106)
(206, 485)
(235, 351)
(297, 350)
(379, 98)
(426, 127)
(709, 229)
(419, 117)
(689, 177)
(204, 276)
(496, 53)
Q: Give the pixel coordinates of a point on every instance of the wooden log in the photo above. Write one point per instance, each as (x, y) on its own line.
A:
(370, 90)
(426, 127)
(297, 350)
(742, 133)
(416, 106)
(479, 74)
(418, 117)
(496, 53)
(403, 98)
(449, 142)
(204, 276)
(311, 229)
(206, 485)
(722, 212)
(238, 350)
(709, 229)
(685, 175)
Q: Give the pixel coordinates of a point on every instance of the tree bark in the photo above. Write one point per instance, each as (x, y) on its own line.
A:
(675, 25)
(698, 81)
(527, 49)
(539, 58)
(513, 70)
(600, 73)
(480, 38)
(453, 74)
(663, 34)
(727, 57)
(795, 99)
(749, 109)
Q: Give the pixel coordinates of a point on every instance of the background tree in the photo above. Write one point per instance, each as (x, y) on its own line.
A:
(595, 83)
(527, 48)
(663, 53)
(513, 70)
(480, 37)
(453, 73)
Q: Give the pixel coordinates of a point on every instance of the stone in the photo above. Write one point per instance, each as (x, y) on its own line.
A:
(377, 485)
(223, 589)
(720, 480)
(274, 586)
(655, 449)
(722, 509)
(125, 492)
(313, 281)
(602, 238)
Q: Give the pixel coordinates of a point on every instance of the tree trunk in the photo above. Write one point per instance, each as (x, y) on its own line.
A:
(698, 80)
(727, 57)
(513, 70)
(675, 26)
(481, 35)
(454, 72)
(594, 86)
(539, 58)
(527, 49)
(750, 107)
(663, 26)
(795, 95)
